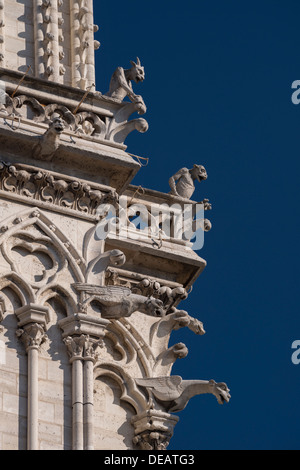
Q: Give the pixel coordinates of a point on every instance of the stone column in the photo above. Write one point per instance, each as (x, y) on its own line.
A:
(75, 347)
(83, 337)
(33, 320)
(91, 353)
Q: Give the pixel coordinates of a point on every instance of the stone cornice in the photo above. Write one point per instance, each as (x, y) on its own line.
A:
(49, 190)
(98, 116)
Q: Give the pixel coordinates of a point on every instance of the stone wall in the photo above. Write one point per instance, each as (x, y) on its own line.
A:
(55, 407)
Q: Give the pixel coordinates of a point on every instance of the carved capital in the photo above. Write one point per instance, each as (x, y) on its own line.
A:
(32, 320)
(83, 347)
(152, 440)
(33, 335)
(153, 429)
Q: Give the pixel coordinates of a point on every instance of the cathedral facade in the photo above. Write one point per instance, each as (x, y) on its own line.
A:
(88, 297)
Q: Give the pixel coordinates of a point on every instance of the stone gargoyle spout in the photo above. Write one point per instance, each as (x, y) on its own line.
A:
(119, 302)
(175, 393)
(49, 142)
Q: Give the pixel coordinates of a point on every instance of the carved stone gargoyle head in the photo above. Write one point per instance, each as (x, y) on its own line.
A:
(154, 307)
(198, 172)
(137, 71)
(48, 143)
(57, 125)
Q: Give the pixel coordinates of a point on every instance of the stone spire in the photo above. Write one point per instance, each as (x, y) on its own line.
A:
(54, 37)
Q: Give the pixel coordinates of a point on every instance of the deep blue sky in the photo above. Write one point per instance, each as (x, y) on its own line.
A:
(218, 92)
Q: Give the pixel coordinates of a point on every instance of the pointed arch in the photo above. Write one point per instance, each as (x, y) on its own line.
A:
(54, 291)
(19, 286)
(18, 225)
(130, 393)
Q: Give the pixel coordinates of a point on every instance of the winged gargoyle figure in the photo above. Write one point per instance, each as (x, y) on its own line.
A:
(119, 302)
(174, 392)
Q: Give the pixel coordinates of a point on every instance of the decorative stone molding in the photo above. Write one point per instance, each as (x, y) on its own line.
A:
(114, 129)
(120, 127)
(83, 325)
(32, 313)
(82, 43)
(54, 263)
(45, 189)
(149, 287)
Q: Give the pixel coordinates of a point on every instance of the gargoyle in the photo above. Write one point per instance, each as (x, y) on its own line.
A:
(185, 178)
(175, 393)
(119, 302)
(174, 320)
(120, 84)
(181, 318)
(50, 141)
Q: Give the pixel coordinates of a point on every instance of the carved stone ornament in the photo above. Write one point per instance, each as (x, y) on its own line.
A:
(149, 287)
(153, 429)
(174, 393)
(50, 141)
(45, 189)
(121, 86)
(32, 335)
(82, 347)
(119, 302)
(152, 440)
(182, 183)
(114, 129)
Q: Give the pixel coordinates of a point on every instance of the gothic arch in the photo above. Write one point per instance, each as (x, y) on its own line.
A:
(31, 233)
(19, 286)
(130, 392)
(54, 291)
